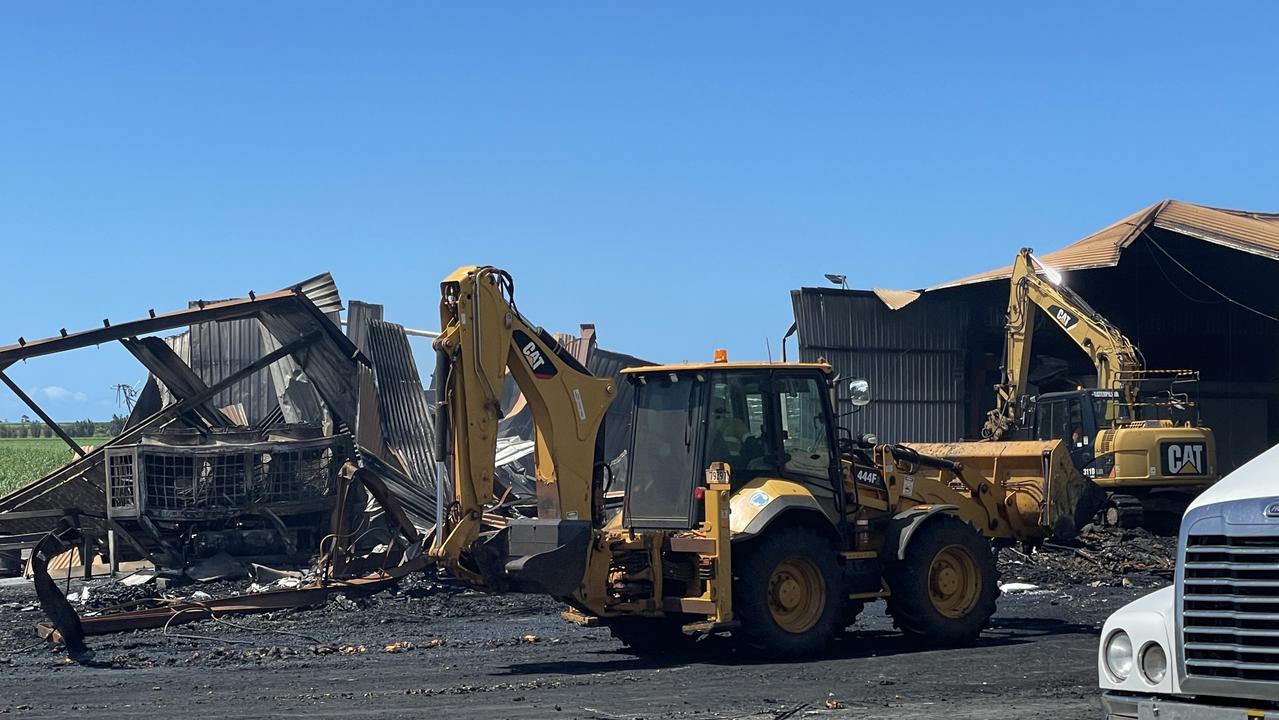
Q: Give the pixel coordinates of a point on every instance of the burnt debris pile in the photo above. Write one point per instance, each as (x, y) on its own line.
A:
(1098, 557)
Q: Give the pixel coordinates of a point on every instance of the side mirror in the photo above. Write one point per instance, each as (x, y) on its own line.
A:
(859, 393)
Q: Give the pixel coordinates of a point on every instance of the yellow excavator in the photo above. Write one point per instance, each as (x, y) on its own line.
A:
(1136, 434)
(747, 509)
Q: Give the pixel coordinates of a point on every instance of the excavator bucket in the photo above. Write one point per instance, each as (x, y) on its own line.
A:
(1042, 489)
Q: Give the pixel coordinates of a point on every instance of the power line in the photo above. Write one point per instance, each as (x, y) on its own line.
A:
(1205, 283)
(1177, 286)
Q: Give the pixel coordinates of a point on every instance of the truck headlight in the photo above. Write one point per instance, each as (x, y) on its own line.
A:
(1119, 654)
(1153, 662)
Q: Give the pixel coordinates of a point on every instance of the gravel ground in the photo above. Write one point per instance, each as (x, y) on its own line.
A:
(472, 655)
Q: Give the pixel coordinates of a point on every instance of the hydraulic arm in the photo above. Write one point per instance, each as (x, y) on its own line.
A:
(1115, 357)
(483, 335)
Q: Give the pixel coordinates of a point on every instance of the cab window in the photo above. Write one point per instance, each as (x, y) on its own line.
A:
(805, 432)
(664, 464)
(1048, 420)
(737, 424)
(1061, 420)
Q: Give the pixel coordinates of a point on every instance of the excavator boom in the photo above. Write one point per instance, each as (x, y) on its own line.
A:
(1115, 357)
(1121, 434)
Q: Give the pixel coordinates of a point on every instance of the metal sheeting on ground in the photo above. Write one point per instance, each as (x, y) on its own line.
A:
(915, 358)
(513, 464)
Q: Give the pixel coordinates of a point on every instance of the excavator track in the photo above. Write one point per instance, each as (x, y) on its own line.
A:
(1124, 511)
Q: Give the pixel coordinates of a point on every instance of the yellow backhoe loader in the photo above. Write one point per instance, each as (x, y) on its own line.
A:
(1136, 434)
(746, 508)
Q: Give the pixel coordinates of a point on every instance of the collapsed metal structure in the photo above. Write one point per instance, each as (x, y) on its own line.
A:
(188, 476)
(263, 433)
(239, 438)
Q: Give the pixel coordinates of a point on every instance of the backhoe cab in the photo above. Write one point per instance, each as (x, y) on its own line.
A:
(762, 421)
(746, 508)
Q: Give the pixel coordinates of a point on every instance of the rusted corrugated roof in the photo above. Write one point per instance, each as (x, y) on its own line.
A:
(1257, 233)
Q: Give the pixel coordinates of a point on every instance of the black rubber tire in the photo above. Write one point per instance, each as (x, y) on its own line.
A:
(650, 636)
(754, 565)
(1124, 512)
(910, 603)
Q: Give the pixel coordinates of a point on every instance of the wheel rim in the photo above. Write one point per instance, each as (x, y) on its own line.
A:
(796, 594)
(953, 581)
(1112, 516)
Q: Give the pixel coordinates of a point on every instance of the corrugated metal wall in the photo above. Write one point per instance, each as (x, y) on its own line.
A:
(368, 430)
(406, 419)
(915, 359)
(221, 349)
(215, 350)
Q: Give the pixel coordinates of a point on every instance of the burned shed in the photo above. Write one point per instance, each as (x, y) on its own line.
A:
(265, 433)
(1191, 286)
(189, 478)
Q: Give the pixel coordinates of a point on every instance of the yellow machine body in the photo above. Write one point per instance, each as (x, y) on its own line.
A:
(1119, 434)
(862, 506)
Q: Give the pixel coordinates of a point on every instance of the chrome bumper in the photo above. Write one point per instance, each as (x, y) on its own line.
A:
(1141, 707)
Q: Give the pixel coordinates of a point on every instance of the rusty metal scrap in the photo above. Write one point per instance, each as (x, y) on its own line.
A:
(68, 627)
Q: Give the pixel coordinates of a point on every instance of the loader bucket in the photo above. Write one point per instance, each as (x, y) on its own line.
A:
(1043, 490)
(535, 556)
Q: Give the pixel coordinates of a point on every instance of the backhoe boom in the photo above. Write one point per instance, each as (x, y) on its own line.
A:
(483, 335)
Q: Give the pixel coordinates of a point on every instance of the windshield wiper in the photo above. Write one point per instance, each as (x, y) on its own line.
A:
(688, 423)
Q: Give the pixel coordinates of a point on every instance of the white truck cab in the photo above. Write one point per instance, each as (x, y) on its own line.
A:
(1206, 648)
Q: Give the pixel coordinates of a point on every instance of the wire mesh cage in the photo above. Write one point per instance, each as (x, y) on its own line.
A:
(293, 475)
(178, 482)
(168, 480)
(122, 488)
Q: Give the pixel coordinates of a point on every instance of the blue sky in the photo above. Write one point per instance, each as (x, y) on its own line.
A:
(668, 171)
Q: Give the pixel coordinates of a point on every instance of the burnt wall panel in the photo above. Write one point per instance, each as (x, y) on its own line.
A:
(219, 349)
(368, 429)
(406, 419)
(915, 359)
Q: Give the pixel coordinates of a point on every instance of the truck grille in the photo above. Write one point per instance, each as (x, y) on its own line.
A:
(1230, 607)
